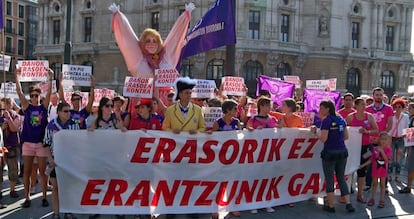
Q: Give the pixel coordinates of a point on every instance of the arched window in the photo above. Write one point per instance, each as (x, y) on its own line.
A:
(387, 82)
(187, 68)
(215, 70)
(352, 81)
(283, 69)
(251, 70)
(88, 4)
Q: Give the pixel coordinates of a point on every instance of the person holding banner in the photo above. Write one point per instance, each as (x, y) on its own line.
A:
(260, 121)
(34, 125)
(120, 113)
(62, 121)
(184, 115)
(333, 133)
(145, 119)
(149, 52)
(366, 121)
(106, 119)
(410, 155)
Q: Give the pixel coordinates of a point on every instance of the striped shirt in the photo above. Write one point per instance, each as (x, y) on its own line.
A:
(56, 125)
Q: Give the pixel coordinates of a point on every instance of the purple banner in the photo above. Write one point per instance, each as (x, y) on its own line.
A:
(216, 28)
(312, 99)
(279, 90)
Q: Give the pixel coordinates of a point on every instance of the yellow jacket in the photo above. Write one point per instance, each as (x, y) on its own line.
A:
(193, 121)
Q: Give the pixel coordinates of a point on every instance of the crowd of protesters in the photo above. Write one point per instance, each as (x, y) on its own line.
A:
(381, 125)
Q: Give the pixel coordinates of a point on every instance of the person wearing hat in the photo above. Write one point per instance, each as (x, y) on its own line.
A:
(78, 114)
(144, 119)
(183, 115)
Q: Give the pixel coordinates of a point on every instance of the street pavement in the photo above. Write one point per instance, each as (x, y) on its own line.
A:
(396, 206)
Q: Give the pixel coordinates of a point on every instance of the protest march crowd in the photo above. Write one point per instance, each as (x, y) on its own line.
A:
(28, 129)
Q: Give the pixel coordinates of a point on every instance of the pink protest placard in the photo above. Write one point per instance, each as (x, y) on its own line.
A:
(233, 86)
(33, 70)
(138, 87)
(165, 77)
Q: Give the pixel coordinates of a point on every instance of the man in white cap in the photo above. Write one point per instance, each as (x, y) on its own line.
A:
(183, 115)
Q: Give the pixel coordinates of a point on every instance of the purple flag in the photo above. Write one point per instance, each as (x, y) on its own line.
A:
(216, 28)
(1, 14)
(312, 99)
(279, 90)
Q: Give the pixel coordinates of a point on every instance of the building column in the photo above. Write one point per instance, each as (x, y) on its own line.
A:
(403, 29)
(409, 25)
(374, 27)
(380, 43)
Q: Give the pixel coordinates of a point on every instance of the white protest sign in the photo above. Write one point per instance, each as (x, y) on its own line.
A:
(83, 100)
(251, 108)
(204, 89)
(326, 85)
(294, 79)
(233, 86)
(33, 70)
(138, 87)
(211, 114)
(6, 64)
(166, 77)
(76, 75)
(44, 85)
(307, 118)
(410, 89)
(99, 93)
(9, 89)
(332, 84)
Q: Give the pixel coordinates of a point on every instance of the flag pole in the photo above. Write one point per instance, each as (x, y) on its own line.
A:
(3, 46)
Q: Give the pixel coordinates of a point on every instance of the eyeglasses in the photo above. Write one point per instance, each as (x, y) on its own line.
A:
(65, 111)
(34, 95)
(109, 105)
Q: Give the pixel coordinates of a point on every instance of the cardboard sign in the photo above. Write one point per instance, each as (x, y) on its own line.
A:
(5, 62)
(44, 85)
(294, 79)
(166, 77)
(138, 87)
(76, 75)
(326, 85)
(307, 118)
(204, 89)
(233, 86)
(33, 70)
(99, 93)
(251, 108)
(9, 90)
(211, 114)
(409, 137)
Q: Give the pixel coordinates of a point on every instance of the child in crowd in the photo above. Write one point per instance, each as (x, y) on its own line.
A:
(379, 159)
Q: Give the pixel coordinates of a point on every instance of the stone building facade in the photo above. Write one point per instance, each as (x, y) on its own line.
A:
(362, 43)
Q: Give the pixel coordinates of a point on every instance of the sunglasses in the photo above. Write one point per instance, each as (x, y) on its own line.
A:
(75, 99)
(109, 105)
(34, 95)
(65, 111)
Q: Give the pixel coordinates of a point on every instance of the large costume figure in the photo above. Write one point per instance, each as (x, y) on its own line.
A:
(148, 52)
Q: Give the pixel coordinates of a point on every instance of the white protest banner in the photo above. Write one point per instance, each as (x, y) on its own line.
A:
(76, 75)
(83, 100)
(307, 118)
(33, 70)
(410, 89)
(211, 114)
(156, 172)
(166, 77)
(44, 85)
(99, 93)
(294, 79)
(204, 89)
(233, 86)
(6, 64)
(9, 89)
(251, 107)
(138, 87)
(327, 84)
(409, 137)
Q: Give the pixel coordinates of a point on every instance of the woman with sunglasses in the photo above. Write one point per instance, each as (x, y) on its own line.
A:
(34, 125)
(62, 121)
(106, 119)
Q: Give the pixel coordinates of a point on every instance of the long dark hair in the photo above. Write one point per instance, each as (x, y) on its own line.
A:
(102, 103)
(330, 105)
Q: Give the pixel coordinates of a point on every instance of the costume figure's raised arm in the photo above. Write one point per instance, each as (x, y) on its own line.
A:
(126, 39)
(175, 39)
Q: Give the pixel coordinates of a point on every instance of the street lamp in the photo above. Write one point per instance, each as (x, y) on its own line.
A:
(68, 44)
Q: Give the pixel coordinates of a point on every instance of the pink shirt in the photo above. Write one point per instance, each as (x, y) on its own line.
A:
(345, 112)
(379, 165)
(255, 122)
(363, 124)
(381, 116)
